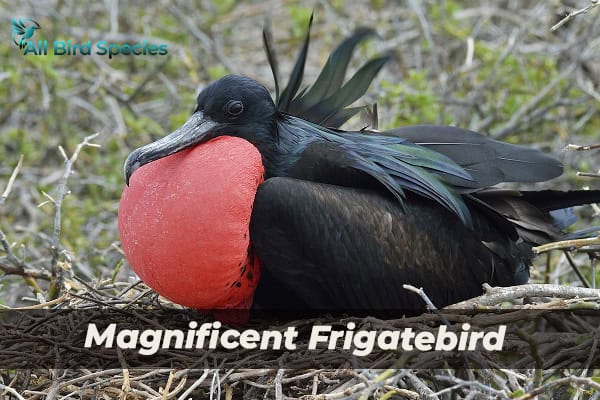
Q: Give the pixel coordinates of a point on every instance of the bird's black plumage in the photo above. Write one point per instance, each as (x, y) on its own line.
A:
(345, 218)
(326, 246)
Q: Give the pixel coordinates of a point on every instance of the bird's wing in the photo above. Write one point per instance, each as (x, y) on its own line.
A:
(330, 247)
(549, 200)
(488, 161)
(395, 163)
(539, 216)
(18, 27)
(326, 101)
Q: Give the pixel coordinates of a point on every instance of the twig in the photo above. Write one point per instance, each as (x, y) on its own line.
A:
(167, 388)
(420, 387)
(416, 6)
(11, 180)
(421, 294)
(403, 393)
(588, 174)
(577, 147)
(277, 383)
(18, 267)
(593, 269)
(185, 395)
(338, 395)
(239, 376)
(315, 385)
(301, 377)
(58, 201)
(215, 385)
(593, 4)
(126, 385)
(10, 255)
(53, 390)
(206, 40)
(576, 269)
(559, 382)
(567, 244)
(472, 384)
(498, 295)
(428, 302)
(11, 391)
(535, 354)
(148, 78)
(40, 306)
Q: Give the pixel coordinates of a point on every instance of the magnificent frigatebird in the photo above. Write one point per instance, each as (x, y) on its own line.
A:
(343, 218)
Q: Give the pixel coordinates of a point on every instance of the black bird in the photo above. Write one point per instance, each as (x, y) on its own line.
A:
(345, 218)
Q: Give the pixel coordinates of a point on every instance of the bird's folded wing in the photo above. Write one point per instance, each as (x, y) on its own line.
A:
(395, 164)
(332, 247)
(488, 161)
(539, 216)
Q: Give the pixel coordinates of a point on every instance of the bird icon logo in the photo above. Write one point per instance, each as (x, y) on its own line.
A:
(23, 30)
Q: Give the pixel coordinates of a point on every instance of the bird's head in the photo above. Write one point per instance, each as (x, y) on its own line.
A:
(231, 106)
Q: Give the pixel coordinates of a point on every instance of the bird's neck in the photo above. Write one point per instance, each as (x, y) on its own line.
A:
(291, 139)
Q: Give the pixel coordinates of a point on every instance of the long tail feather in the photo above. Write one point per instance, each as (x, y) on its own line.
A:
(549, 200)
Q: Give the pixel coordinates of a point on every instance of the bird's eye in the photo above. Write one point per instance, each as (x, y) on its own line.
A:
(234, 108)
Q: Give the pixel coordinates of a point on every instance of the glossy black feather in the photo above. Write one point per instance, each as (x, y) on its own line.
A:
(325, 246)
(330, 247)
(395, 163)
(539, 216)
(288, 94)
(332, 75)
(326, 111)
(325, 101)
(272, 58)
(488, 161)
(549, 200)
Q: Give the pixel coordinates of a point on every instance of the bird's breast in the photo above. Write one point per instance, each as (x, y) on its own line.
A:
(184, 224)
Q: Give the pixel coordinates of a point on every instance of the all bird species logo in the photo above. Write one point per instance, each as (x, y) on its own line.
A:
(23, 30)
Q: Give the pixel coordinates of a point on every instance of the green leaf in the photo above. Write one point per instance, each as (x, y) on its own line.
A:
(517, 393)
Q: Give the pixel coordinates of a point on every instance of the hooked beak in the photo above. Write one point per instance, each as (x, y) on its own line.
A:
(196, 130)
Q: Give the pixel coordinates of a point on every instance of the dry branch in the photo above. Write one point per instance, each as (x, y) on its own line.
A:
(588, 174)
(567, 245)
(569, 380)
(11, 180)
(577, 147)
(11, 391)
(56, 273)
(593, 4)
(497, 295)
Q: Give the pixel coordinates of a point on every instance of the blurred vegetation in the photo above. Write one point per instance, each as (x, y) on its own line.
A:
(490, 67)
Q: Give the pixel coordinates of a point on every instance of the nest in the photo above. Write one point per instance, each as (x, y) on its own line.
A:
(550, 345)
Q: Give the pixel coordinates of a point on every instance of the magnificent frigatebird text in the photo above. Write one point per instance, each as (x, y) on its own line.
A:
(360, 342)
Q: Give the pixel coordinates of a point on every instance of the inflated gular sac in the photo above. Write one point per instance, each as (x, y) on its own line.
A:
(184, 221)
